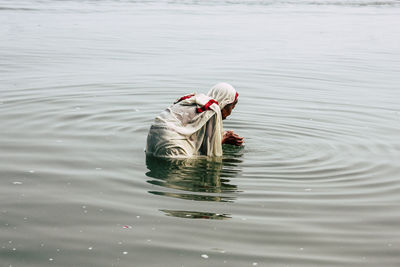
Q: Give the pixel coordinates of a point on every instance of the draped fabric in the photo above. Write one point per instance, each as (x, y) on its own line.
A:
(192, 126)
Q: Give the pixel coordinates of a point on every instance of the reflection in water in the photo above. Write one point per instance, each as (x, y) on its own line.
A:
(196, 214)
(201, 179)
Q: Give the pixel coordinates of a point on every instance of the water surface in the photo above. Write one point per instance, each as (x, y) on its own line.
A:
(316, 184)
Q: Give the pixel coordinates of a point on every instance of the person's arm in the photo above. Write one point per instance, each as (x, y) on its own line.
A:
(231, 138)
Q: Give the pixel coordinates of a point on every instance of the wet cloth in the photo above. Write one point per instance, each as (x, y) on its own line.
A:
(192, 126)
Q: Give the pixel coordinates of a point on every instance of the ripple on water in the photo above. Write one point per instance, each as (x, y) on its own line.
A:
(316, 183)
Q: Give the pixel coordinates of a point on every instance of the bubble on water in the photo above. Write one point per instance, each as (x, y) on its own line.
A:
(51, 259)
(125, 252)
(17, 183)
(32, 171)
(90, 248)
(138, 217)
(255, 264)
(204, 256)
(14, 249)
(99, 169)
(301, 249)
(308, 189)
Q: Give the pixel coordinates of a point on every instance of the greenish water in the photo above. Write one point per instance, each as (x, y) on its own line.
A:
(316, 184)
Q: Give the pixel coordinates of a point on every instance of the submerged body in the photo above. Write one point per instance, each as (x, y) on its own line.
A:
(192, 126)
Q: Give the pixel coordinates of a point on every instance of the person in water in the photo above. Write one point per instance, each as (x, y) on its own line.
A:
(192, 126)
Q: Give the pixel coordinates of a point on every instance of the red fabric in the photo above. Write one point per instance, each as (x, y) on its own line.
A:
(236, 96)
(207, 106)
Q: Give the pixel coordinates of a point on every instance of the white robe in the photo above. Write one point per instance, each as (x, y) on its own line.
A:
(181, 131)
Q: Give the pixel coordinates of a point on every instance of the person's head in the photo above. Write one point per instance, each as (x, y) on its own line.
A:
(227, 110)
(226, 96)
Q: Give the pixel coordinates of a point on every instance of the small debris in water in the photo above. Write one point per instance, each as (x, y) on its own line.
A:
(32, 171)
(204, 256)
(17, 183)
(138, 217)
(127, 227)
(98, 168)
(308, 189)
(301, 249)
(90, 248)
(255, 263)
(125, 252)
(51, 259)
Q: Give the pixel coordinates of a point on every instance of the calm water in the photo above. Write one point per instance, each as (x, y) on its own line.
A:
(317, 183)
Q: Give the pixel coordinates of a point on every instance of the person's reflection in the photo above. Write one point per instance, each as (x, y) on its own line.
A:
(199, 179)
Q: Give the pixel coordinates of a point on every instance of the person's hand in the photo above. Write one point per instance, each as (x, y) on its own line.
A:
(231, 138)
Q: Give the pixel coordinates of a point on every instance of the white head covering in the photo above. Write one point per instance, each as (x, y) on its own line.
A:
(223, 93)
